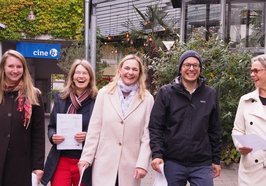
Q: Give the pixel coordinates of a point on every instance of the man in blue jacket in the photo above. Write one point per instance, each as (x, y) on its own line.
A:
(185, 132)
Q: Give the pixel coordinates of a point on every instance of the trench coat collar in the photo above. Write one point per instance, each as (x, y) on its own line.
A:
(114, 98)
(256, 107)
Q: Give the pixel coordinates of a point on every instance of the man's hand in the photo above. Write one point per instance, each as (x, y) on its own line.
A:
(216, 169)
(155, 164)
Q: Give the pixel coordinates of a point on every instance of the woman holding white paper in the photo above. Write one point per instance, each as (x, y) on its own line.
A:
(22, 129)
(77, 97)
(251, 119)
(117, 142)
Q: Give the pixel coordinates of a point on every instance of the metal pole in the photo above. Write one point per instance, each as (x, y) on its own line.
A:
(93, 37)
(264, 24)
(1, 50)
(182, 24)
(2, 26)
(87, 31)
(222, 23)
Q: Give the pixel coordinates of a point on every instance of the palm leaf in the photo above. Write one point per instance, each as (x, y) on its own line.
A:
(139, 12)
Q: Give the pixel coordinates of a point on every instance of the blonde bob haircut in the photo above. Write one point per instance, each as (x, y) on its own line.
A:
(70, 86)
(28, 89)
(141, 81)
(260, 58)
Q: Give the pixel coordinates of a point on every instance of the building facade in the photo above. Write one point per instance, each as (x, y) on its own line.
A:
(239, 22)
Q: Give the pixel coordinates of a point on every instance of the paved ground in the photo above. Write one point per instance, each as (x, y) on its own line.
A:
(228, 176)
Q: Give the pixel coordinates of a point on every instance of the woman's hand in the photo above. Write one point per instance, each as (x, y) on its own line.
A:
(39, 174)
(83, 165)
(244, 150)
(139, 173)
(57, 139)
(80, 137)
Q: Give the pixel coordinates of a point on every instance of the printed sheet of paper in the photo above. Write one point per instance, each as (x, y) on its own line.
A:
(251, 140)
(68, 125)
(81, 175)
(34, 179)
(160, 179)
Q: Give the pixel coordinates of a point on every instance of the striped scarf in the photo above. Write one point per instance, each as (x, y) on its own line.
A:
(76, 102)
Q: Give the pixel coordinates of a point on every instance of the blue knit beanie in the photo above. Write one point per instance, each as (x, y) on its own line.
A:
(187, 54)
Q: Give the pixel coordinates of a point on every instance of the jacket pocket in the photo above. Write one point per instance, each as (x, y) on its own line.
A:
(253, 159)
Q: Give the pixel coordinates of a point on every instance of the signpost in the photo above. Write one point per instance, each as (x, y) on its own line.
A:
(39, 50)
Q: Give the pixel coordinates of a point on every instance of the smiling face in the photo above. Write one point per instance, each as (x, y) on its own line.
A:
(190, 70)
(81, 79)
(13, 70)
(130, 71)
(258, 74)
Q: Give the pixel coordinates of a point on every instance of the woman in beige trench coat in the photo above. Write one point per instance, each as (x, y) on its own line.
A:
(251, 119)
(117, 142)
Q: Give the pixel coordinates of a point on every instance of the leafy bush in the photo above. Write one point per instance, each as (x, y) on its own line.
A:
(226, 70)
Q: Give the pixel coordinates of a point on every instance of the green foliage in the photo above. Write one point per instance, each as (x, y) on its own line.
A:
(58, 18)
(230, 154)
(69, 54)
(57, 76)
(226, 70)
(100, 79)
(77, 51)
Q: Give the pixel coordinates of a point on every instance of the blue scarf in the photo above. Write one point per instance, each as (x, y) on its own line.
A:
(125, 101)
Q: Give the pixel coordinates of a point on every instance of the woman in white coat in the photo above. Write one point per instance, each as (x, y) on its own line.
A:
(117, 142)
(251, 119)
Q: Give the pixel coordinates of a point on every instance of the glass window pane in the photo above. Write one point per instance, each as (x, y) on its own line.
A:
(200, 16)
(246, 24)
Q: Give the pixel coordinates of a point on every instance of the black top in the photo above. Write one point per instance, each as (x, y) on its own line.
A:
(263, 100)
(185, 127)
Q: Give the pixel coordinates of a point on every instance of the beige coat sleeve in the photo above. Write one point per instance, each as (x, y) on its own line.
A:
(94, 130)
(145, 151)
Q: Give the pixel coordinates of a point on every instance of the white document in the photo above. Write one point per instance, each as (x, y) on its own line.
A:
(68, 125)
(34, 179)
(251, 140)
(160, 179)
(81, 175)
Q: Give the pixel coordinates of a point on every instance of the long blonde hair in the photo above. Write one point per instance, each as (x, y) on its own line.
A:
(141, 81)
(70, 86)
(28, 89)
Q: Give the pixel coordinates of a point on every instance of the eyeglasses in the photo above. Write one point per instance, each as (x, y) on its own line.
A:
(256, 70)
(188, 66)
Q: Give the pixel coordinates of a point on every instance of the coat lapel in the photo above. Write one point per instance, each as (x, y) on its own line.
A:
(114, 99)
(133, 105)
(256, 108)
